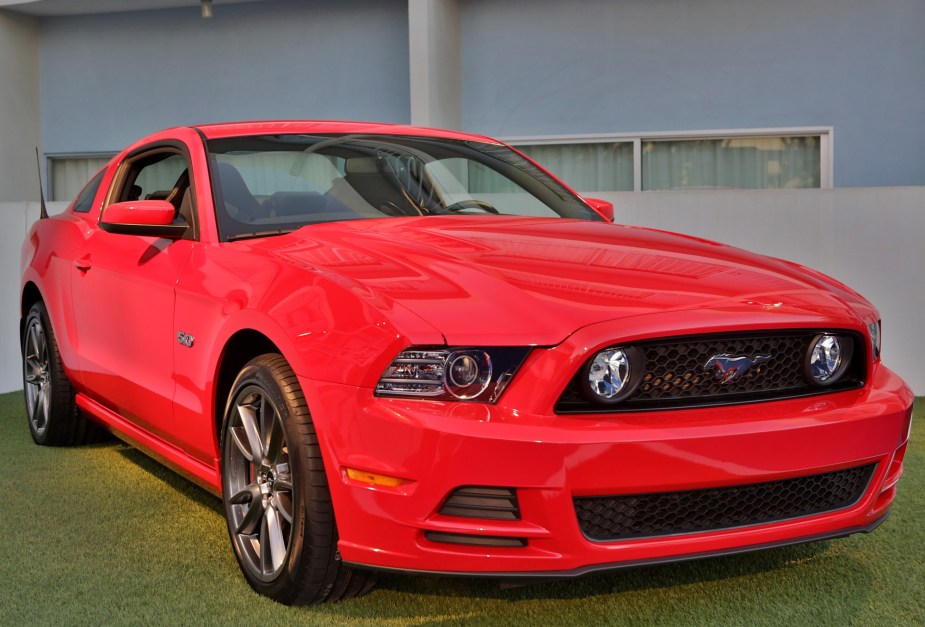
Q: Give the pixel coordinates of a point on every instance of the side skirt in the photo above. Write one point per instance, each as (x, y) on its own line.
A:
(203, 475)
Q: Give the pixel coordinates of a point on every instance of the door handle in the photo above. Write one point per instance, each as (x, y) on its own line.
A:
(83, 264)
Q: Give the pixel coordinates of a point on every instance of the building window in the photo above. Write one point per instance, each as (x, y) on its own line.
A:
(590, 167)
(739, 159)
(732, 163)
(68, 174)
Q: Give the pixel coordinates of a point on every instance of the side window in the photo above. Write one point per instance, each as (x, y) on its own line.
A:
(155, 177)
(161, 175)
(84, 201)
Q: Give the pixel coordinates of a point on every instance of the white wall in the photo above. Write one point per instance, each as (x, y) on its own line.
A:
(869, 238)
(19, 106)
(15, 220)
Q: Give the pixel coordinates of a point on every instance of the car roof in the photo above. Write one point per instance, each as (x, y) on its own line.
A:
(281, 127)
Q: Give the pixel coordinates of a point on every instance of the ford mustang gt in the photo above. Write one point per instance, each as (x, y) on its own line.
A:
(391, 348)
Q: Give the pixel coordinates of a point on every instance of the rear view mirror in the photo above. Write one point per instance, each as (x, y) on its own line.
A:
(602, 207)
(153, 218)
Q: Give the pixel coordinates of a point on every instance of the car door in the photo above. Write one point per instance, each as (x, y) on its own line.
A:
(123, 288)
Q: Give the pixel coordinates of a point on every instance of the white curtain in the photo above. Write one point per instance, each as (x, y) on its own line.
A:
(736, 163)
(68, 176)
(601, 167)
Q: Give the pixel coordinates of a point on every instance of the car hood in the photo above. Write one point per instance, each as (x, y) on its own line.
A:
(533, 281)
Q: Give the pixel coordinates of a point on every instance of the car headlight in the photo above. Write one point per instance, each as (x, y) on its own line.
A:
(457, 374)
(613, 374)
(874, 329)
(828, 358)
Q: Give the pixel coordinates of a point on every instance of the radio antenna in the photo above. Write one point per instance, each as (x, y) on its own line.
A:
(43, 213)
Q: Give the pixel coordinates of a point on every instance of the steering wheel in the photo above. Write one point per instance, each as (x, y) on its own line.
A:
(470, 203)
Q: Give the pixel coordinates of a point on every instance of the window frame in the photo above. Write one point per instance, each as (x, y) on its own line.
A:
(826, 136)
(119, 181)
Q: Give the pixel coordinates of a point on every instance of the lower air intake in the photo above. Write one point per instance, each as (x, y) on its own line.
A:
(609, 518)
(482, 502)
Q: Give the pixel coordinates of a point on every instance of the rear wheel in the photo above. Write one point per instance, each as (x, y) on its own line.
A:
(54, 419)
(277, 502)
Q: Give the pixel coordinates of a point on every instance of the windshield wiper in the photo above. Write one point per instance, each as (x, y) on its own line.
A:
(255, 234)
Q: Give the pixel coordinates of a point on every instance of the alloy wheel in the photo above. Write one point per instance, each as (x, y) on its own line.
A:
(37, 375)
(259, 485)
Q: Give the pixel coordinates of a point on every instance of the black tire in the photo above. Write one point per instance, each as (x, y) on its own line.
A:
(277, 503)
(53, 416)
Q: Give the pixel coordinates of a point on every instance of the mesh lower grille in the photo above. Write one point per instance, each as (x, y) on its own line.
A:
(666, 513)
(675, 373)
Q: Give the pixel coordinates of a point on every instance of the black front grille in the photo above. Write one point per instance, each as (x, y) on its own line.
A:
(624, 517)
(675, 373)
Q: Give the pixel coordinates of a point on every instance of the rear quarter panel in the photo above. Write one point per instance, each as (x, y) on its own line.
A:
(47, 259)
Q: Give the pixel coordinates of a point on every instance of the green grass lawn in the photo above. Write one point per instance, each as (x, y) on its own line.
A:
(103, 535)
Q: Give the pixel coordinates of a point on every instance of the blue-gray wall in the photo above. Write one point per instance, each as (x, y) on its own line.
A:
(537, 67)
(528, 67)
(108, 79)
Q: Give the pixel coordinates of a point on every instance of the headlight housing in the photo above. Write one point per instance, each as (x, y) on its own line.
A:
(453, 374)
(874, 330)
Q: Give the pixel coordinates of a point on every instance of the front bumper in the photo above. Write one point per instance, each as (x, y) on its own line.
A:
(549, 460)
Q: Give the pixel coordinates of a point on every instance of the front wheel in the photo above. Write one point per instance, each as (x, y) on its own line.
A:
(277, 503)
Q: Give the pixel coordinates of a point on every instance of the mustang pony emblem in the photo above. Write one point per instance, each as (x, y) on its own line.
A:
(728, 367)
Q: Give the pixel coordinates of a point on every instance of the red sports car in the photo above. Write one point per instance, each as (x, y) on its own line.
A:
(403, 349)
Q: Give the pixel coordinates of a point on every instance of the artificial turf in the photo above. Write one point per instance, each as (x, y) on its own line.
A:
(103, 535)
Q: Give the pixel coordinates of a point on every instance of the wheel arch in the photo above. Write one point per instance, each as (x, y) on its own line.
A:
(30, 296)
(240, 348)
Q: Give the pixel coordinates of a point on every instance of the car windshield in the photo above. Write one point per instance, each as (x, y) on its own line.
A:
(270, 184)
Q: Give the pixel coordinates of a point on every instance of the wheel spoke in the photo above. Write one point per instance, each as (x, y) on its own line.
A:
(46, 403)
(263, 419)
(33, 360)
(283, 483)
(34, 409)
(240, 441)
(43, 345)
(264, 546)
(275, 440)
(249, 422)
(249, 493)
(284, 505)
(34, 336)
(276, 540)
(252, 518)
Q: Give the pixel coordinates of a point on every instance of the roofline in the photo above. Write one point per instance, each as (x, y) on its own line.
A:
(276, 127)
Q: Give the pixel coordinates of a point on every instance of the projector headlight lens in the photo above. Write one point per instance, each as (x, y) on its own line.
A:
(467, 374)
(455, 374)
